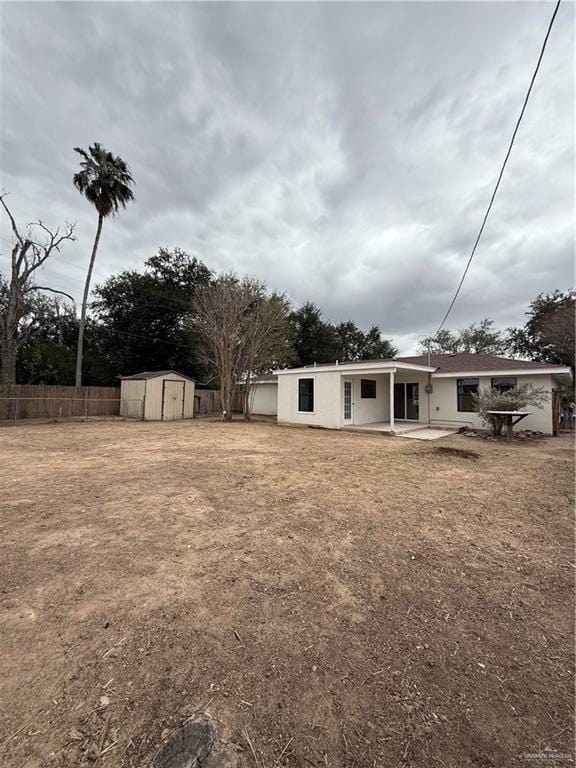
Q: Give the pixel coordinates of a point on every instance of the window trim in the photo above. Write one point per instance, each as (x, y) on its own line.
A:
(495, 378)
(459, 395)
(313, 380)
(369, 397)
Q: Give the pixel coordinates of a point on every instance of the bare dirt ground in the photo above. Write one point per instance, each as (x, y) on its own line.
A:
(336, 599)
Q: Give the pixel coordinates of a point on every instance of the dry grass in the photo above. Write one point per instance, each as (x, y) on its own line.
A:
(339, 599)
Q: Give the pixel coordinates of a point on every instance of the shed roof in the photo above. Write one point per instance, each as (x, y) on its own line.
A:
(153, 375)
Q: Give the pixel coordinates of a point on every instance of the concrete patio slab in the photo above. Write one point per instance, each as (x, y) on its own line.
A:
(429, 433)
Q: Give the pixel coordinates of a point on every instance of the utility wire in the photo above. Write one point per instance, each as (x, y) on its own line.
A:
(501, 170)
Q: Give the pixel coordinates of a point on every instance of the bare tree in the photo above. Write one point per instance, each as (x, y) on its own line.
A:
(243, 331)
(29, 252)
(267, 340)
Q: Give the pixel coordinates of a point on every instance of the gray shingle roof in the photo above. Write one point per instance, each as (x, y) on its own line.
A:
(469, 361)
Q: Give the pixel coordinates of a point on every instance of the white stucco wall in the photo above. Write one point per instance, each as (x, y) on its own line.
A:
(444, 404)
(369, 409)
(441, 405)
(265, 399)
(327, 398)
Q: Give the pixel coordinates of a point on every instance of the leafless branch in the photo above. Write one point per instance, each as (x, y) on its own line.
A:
(12, 222)
(28, 254)
(244, 332)
(52, 290)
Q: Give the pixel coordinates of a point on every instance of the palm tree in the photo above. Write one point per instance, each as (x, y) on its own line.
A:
(105, 181)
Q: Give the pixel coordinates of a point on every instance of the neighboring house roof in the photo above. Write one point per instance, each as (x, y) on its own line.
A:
(470, 362)
(266, 378)
(269, 378)
(153, 375)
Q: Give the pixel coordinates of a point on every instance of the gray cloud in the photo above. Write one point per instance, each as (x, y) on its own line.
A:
(342, 152)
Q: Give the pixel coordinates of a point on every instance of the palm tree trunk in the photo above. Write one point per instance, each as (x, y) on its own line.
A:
(82, 325)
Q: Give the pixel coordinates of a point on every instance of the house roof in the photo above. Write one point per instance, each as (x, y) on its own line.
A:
(153, 375)
(471, 362)
(441, 365)
(390, 360)
(380, 365)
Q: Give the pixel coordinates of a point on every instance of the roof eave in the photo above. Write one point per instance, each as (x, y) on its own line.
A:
(366, 367)
(505, 372)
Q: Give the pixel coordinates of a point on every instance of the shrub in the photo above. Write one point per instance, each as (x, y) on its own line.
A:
(522, 396)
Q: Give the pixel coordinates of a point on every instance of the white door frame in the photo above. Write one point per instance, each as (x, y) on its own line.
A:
(347, 407)
(405, 385)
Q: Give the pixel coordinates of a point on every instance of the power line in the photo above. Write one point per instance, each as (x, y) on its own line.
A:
(540, 57)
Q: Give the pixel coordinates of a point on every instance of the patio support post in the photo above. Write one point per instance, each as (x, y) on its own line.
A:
(392, 401)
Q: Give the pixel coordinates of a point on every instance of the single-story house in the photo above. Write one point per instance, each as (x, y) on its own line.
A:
(436, 391)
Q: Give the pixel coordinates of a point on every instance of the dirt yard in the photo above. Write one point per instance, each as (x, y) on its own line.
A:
(333, 599)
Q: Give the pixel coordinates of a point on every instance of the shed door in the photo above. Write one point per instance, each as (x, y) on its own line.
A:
(172, 400)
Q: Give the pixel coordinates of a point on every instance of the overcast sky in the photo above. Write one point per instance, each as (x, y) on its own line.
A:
(344, 153)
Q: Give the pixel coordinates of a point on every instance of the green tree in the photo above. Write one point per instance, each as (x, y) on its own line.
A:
(315, 341)
(48, 355)
(481, 338)
(350, 341)
(374, 346)
(548, 334)
(144, 318)
(354, 344)
(106, 182)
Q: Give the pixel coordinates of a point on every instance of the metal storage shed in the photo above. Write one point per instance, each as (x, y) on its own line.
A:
(157, 396)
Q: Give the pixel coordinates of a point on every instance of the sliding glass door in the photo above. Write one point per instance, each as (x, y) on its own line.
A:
(406, 401)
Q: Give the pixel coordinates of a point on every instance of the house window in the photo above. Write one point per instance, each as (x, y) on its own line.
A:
(368, 389)
(306, 395)
(466, 389)
(504, 383)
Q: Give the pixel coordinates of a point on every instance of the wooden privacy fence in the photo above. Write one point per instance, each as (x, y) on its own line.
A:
(37, 401)
(207, 401)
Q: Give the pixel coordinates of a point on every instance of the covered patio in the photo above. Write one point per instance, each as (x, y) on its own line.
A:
(384, 397)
